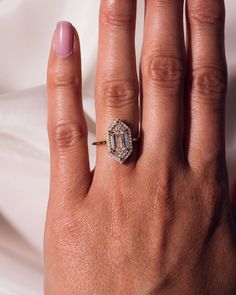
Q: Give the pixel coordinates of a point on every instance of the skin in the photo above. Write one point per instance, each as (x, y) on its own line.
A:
(160, 223)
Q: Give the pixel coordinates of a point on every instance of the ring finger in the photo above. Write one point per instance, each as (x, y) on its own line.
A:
(116, 88)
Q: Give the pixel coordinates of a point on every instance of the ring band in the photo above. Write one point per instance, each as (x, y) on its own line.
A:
(119, 141)
(134, 139)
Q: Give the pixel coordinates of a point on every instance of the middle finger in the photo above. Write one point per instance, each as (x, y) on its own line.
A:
(162, 67)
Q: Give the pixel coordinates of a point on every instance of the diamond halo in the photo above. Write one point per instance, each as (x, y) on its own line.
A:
(119, 141)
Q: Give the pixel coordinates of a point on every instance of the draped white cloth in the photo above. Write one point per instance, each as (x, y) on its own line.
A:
(26, 28)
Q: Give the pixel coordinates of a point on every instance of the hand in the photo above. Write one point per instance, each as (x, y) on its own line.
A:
(160, 223)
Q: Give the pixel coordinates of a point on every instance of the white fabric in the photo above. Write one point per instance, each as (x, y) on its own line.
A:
(26, 28)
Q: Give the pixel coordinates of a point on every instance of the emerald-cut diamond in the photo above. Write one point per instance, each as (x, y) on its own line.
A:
(119, 141)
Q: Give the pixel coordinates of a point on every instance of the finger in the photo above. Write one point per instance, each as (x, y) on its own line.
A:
(162, 67)
(70, 173)
(233, 198)
(207, 72)
(116, 82)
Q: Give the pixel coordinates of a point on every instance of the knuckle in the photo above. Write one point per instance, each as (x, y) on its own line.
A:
(166, 71)
(165, 3)
(115, 20)
(68, 135)
(118, 94)
(210, 83)
(214, 190)
(207, 13)
(168, 176)
(61, 78)
(213, 165)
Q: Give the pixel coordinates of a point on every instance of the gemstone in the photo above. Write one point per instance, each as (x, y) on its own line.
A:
(113, 141)
(119, 141)
(126, 140)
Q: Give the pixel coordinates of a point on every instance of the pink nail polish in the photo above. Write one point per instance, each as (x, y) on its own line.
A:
(64, 39)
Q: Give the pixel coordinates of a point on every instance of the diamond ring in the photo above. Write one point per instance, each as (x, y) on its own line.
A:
(119, 141)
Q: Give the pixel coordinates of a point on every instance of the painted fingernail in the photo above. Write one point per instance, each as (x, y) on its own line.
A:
(64, 39)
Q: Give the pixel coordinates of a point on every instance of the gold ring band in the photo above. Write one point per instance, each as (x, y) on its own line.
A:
(134, 139)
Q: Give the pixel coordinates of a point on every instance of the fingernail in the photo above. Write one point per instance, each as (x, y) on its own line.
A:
(64, 39)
